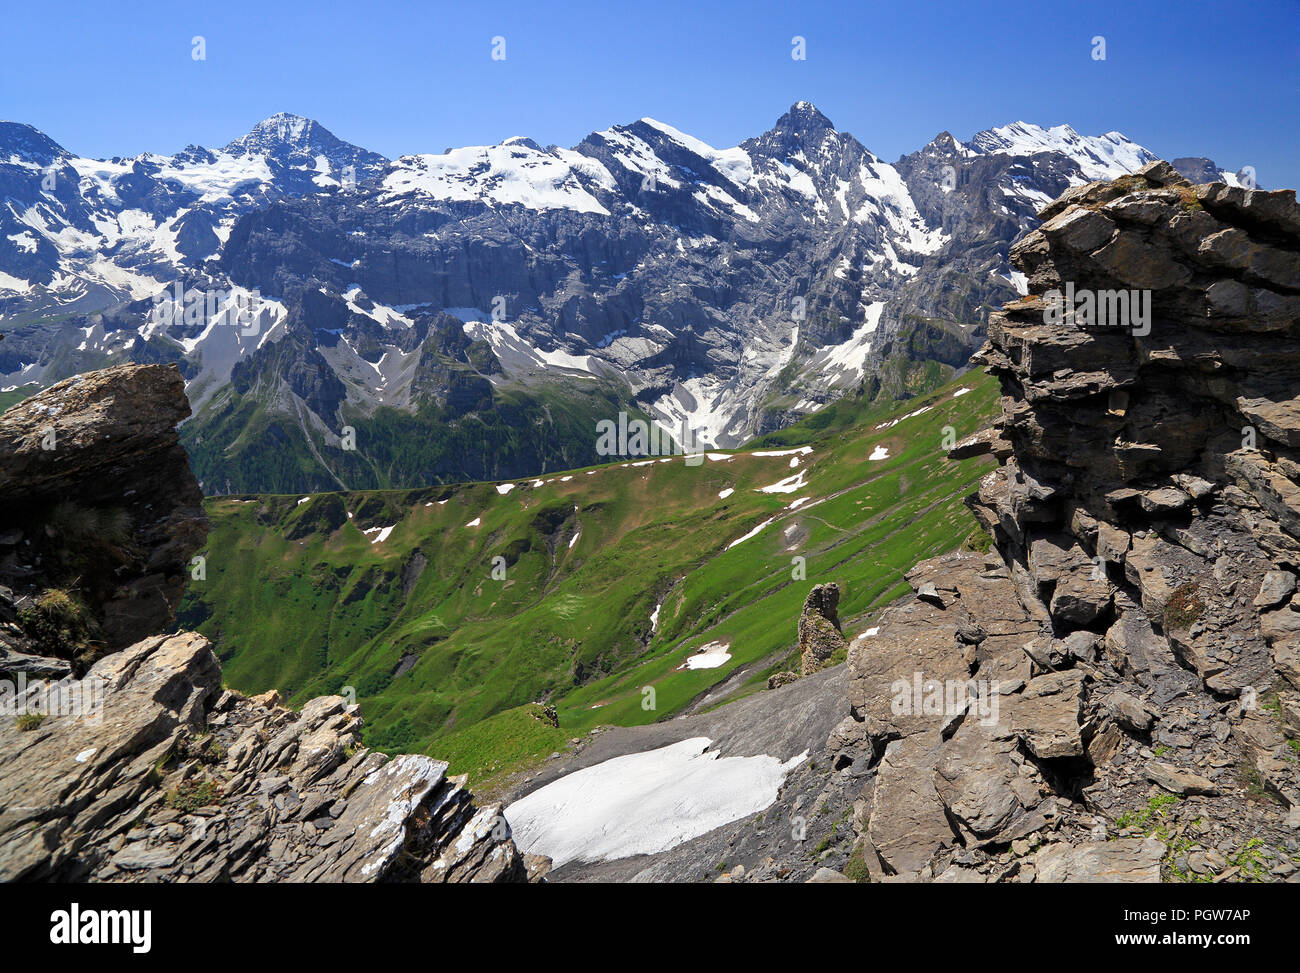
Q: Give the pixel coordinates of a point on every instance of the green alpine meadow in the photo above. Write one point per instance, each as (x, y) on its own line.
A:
(456, 614)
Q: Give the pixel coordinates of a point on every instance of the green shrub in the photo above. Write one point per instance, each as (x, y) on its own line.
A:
(58, 622)
(856, 869)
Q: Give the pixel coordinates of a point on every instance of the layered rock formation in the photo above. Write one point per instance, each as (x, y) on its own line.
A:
(128, 762)
(1113, 692)
(176, 779)
(99, 514)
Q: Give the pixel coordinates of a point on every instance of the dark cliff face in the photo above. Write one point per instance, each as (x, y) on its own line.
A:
(99, 513)
(1137, 621)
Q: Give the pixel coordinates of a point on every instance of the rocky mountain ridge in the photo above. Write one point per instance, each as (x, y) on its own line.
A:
(125, 758)
(732, 290)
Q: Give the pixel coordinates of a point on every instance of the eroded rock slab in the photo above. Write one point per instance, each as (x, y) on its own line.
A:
(1122, 860)
(169, 778)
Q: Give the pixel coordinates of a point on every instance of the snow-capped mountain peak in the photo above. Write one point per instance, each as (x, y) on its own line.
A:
(1098, 156)
(304, 154)
(803, 117)
(711, 281)
(286, 133)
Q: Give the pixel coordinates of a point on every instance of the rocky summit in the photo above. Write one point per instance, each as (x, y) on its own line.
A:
(1111, 692)
(128, 760)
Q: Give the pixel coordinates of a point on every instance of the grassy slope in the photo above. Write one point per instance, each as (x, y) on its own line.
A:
(237, 441)
(12, 398)
(295, 604)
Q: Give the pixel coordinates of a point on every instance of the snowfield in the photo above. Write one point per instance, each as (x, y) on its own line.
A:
(644, 803)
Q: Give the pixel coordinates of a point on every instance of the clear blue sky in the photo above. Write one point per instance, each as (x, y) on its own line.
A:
(1183, 78)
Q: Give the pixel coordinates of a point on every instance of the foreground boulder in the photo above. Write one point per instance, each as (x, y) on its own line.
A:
(1113, 693)
(99, 514)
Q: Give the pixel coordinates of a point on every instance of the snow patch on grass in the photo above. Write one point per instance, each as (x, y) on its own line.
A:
(752, 533)
(710, 656)
(789, 485)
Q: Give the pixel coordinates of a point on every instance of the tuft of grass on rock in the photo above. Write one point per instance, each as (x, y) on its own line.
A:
(190, 795)
(1183, 608)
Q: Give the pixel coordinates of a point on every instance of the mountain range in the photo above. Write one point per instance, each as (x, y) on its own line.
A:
(344, 321)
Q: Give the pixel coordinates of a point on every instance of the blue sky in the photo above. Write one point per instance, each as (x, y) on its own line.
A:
(1182, 78)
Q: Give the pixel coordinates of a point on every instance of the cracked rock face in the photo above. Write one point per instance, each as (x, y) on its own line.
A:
(1137, 621)
(96, 500)
(175, 779)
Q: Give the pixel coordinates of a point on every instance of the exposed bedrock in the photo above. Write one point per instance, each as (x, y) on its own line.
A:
(1113, 692)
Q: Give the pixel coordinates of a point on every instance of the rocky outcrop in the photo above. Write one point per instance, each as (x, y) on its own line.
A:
(164, 776)
(1112, 693)
(819, 628)
(99, 514)
(124, 758)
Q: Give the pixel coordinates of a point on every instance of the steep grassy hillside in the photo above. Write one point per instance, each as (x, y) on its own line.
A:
(452, 609)
(238, 440)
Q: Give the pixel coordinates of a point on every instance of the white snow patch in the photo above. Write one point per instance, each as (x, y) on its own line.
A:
(644, 803)
(502, 174)
(709, 656)
(911, 415)
(801, 451)
(752, 533)
(789, 485)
